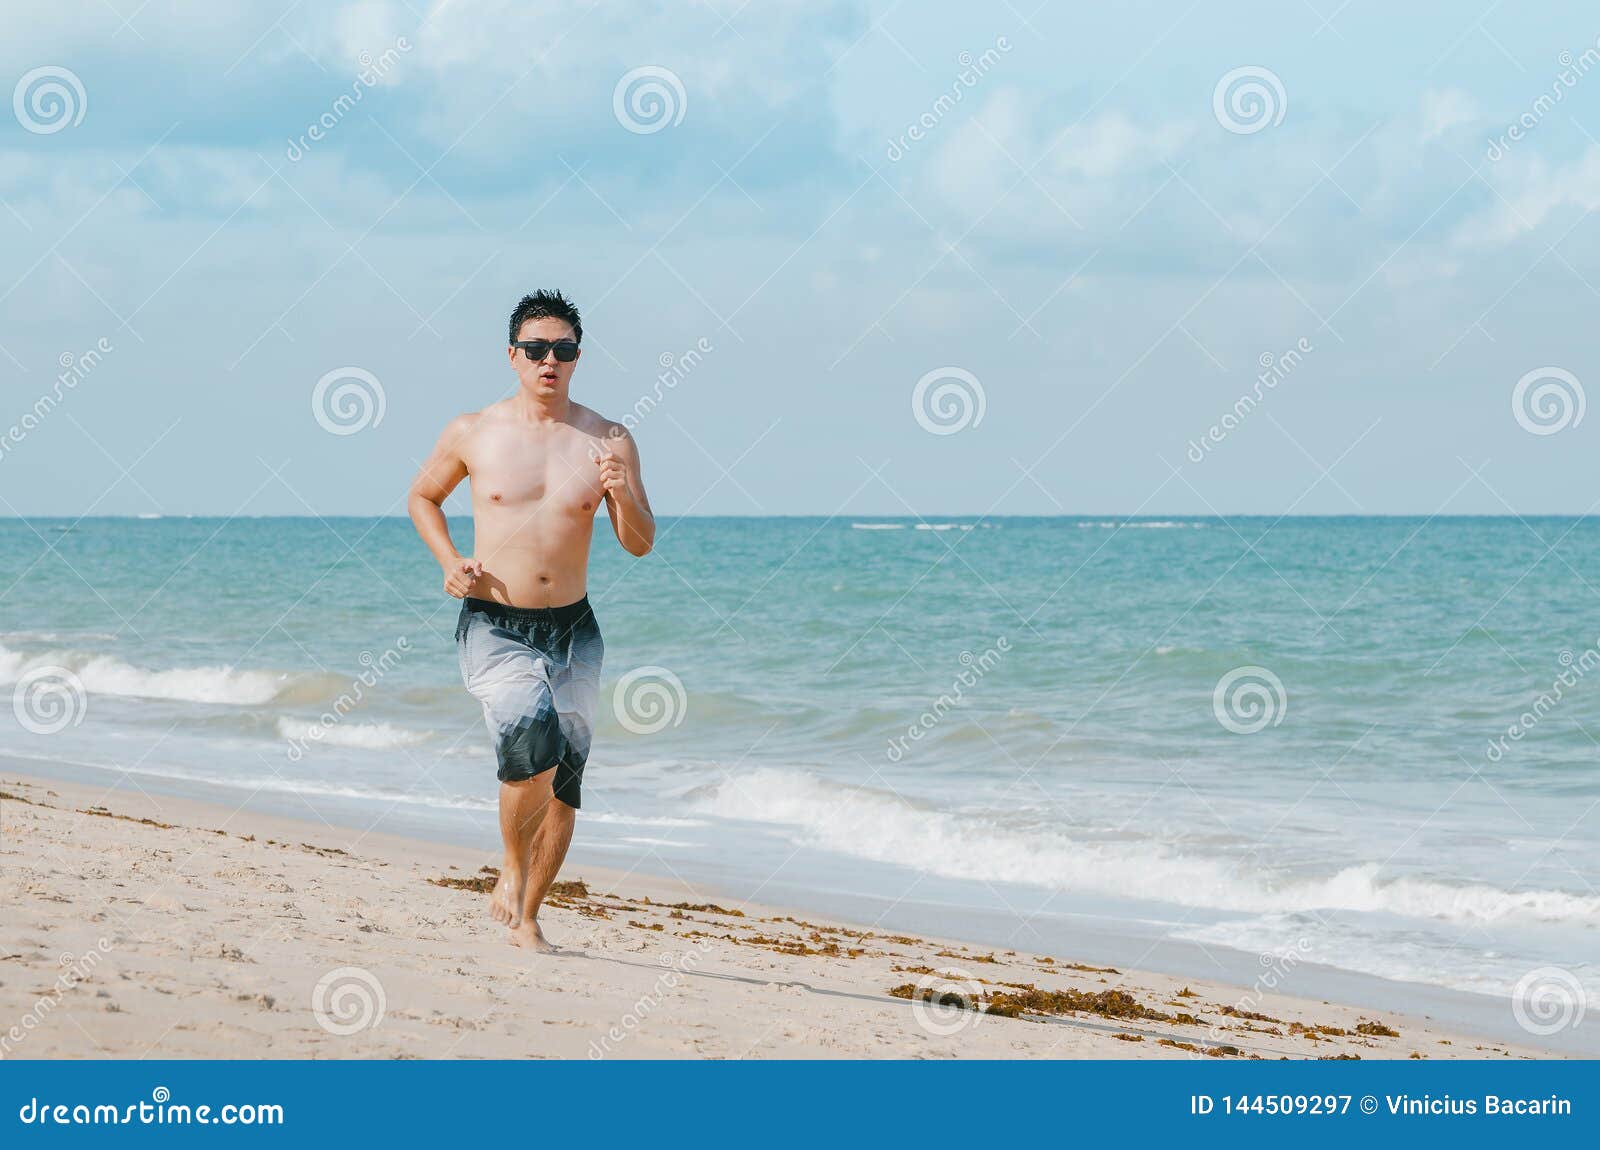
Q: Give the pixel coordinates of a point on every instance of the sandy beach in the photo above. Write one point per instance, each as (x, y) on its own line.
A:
(142, 926)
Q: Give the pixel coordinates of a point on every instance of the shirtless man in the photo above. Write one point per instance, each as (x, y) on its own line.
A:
(528, 644)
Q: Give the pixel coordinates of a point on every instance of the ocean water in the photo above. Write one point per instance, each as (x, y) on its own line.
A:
(1352, 796)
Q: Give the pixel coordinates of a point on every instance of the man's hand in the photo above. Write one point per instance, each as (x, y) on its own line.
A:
(461, 575)
(613, 475)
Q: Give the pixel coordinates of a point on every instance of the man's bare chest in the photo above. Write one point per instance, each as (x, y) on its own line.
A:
(508, 469)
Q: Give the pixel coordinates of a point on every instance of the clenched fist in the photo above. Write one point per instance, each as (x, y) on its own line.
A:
(460, 576)
(613, 474)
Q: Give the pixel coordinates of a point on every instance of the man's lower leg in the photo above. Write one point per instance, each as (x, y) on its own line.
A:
(522, 808)
(550, 844)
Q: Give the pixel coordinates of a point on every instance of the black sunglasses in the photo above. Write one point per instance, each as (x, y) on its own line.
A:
(535, 349)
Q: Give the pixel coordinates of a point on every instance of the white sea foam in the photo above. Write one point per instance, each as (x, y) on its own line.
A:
(1151, 523)
(424, 794)
(648, 842)
(879, 826)
(1401, 955)
(103, 675)
(642, 820)
(367, 736)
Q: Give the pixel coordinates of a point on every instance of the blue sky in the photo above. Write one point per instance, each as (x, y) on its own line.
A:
(1092, 246)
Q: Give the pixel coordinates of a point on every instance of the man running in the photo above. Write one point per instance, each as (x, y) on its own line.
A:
(528, 644)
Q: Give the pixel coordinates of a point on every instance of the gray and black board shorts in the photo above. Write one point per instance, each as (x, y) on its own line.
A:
(536, 670)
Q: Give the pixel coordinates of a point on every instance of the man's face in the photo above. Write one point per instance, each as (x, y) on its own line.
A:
(545, 377)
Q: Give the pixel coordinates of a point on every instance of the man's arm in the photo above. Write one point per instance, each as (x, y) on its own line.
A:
(441, 473)
(631, 517)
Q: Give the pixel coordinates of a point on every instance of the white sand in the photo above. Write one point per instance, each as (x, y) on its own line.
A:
(210, 935)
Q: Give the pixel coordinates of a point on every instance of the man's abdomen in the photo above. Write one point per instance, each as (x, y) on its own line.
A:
(533, 563)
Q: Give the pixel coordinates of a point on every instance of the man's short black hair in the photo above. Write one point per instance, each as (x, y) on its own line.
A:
(546, 305)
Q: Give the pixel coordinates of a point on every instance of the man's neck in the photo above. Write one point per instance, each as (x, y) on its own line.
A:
(541, 409)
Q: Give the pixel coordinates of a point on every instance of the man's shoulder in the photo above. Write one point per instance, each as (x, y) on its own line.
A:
(591, 422)
(460, 429)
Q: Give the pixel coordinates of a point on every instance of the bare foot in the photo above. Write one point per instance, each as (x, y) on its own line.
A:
(529, 935)
(505, 903)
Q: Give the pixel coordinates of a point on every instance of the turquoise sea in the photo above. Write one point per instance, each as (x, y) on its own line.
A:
(1201, 744)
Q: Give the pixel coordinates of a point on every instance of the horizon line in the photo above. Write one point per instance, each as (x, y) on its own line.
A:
(867, 515)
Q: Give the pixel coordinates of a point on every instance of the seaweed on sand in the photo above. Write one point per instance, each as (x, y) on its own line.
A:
(102, 812)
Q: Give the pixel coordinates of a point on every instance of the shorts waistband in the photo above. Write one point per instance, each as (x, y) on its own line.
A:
(554, 616)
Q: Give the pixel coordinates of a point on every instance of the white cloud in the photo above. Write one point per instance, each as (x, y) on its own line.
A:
(1444, 109)
(1530, 191)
